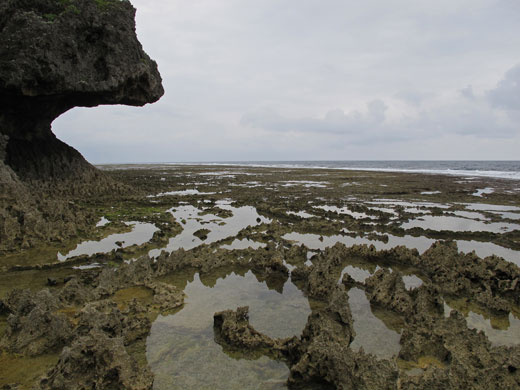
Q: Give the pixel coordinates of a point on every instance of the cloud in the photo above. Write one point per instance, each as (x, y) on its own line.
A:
(467, 92)
(506, 94)
(274, 80)
(461, 112)
(335, 121)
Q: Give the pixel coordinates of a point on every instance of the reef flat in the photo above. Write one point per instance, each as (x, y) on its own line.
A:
(246, 277)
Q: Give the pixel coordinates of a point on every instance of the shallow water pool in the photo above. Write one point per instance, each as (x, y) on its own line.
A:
(181, 349)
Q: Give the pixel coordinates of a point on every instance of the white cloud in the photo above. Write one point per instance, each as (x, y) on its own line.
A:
(507, 92)
(279, 79)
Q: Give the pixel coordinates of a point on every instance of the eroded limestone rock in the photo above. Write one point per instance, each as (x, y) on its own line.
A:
(56, 55)
(96, 361)
(34, 326)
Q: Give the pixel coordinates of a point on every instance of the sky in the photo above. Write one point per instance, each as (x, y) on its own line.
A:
(262, 80)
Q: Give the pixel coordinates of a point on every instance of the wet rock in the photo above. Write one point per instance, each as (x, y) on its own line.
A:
(55, 56)
(34, 326)
(470, 361)
(136, 324)
(21, 302)
(269, 263)
(10, 386)
(322, 355)
(166, 296)
(321, 277)
(329, 362)
(338, 306)
(296, 255)
(492, 281)
(135, 273)
(348, 280)
(232, 329)
(105, 316)
(67, 278)
(388, 290)
(427, 299)
(202, 234)
(76, 293)
(96, 361)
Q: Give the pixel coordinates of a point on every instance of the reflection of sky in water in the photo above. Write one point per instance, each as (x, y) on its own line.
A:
(243, 244)
(490, 207)
(482, 249)
(507, 214)
(301, 214)
(458, 224)
(312, 241)
(305, 183)
(219, 228)
(469, 214)
(346, 211)
(499, 330)
(371, 333)
(394, 202)
(102, 222)
(182, 193)
(483, 191)
(412, 281)
(358, 274)
(141, 233)
(485, 249)
(181, 350)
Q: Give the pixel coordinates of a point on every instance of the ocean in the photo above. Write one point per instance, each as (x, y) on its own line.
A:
(495, 169)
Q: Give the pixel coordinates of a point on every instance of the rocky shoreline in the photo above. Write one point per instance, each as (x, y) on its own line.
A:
(127, 277)
(104, 314)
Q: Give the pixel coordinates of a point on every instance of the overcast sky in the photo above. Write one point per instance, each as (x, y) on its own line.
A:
(317, 80)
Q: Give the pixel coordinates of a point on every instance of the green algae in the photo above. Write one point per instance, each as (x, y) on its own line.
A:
(24, 371)
(187, 334)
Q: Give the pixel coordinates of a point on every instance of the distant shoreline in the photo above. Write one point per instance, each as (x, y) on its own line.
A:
(470, 169)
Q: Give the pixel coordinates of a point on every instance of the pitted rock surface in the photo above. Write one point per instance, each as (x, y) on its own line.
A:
(56, 55)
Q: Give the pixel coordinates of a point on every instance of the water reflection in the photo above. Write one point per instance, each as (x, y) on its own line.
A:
(315, 241)
(243, 244)
(501, 330)
(193, 219)
(181, 350)
(372, 334)
(346, 211)
(458, 224)
(485, 249)
(141, 233)
(301, 214)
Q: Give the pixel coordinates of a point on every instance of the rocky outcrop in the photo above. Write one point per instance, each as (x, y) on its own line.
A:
(467, 359)
(34, 326)
(232, 330)
(320, 356)
(56, 55)
(387, 289)
(97, 361)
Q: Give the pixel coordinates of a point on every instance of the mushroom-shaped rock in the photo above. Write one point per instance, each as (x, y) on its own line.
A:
(60, 54)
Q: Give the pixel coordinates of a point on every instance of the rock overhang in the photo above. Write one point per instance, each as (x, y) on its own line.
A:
(60, 54)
